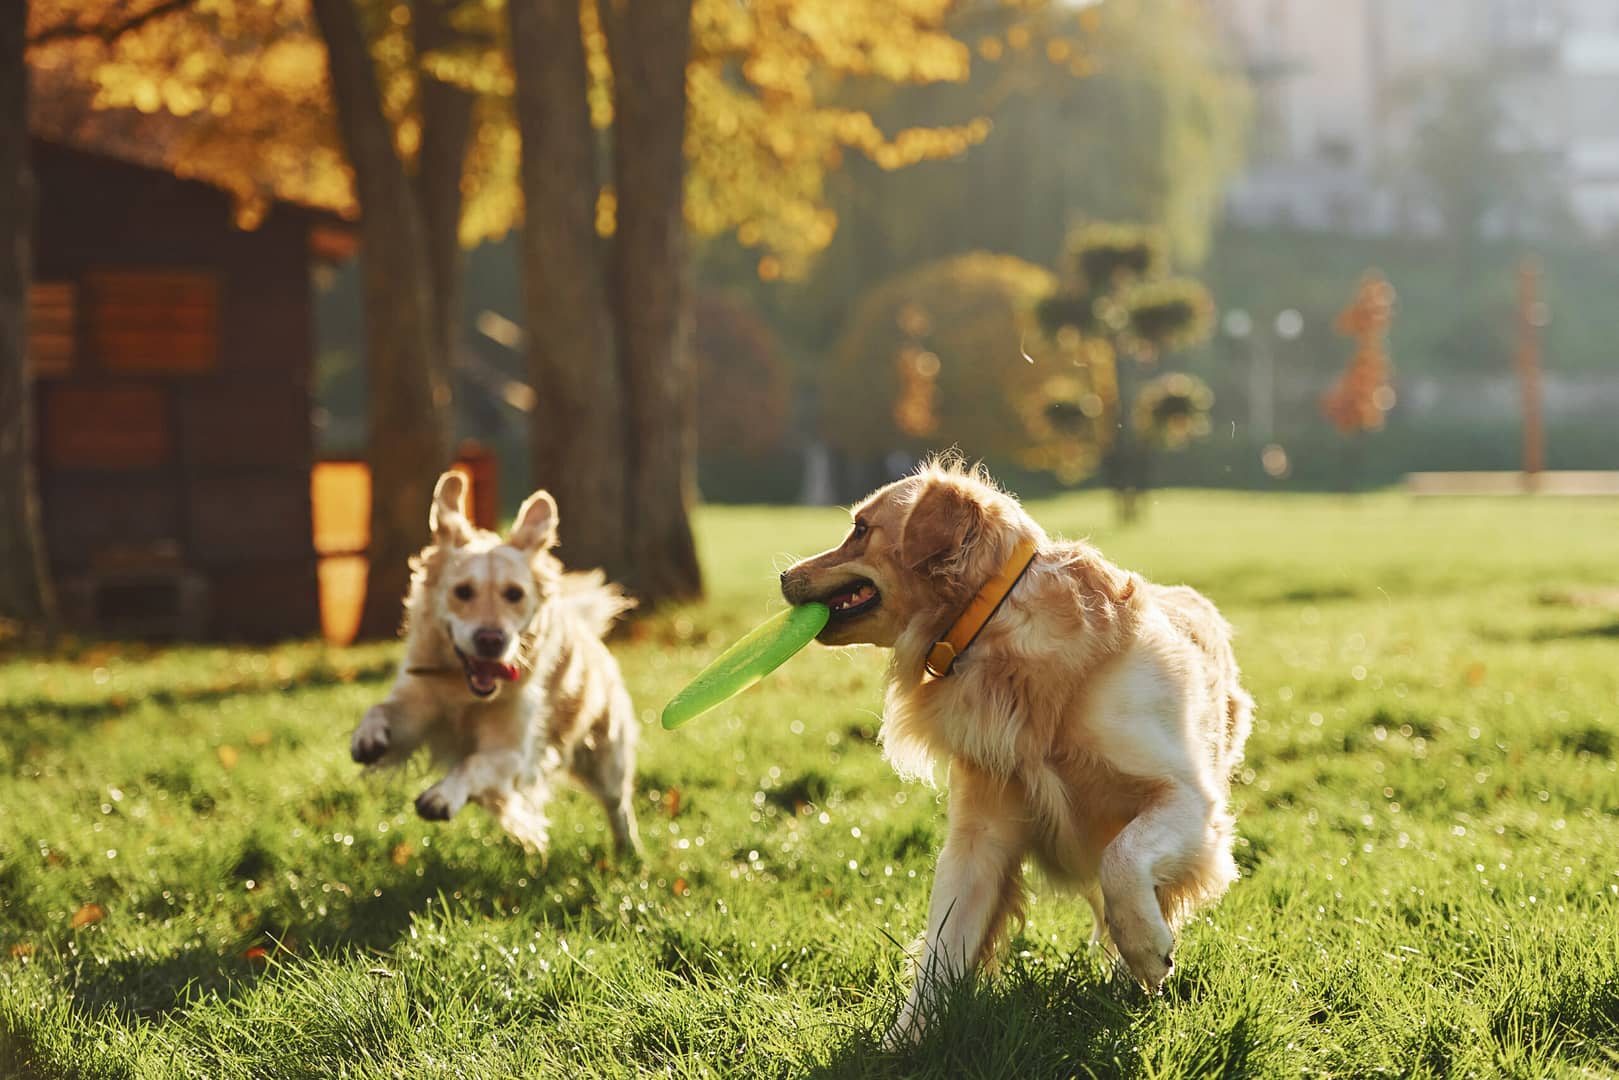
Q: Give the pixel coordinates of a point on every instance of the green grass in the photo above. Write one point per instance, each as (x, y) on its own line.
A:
(1429, 826)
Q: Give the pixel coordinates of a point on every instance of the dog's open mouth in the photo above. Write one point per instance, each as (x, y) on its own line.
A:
(854, 599)
(484, 676)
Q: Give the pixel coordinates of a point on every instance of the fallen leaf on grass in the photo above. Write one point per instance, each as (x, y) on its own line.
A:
(22, 950)
(402, 852)
(671, 802)
(257, 952)
(259, 739)
(87, 915)
(228, 755)
(681, 888)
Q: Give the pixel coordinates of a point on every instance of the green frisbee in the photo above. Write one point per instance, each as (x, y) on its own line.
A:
(764, 649)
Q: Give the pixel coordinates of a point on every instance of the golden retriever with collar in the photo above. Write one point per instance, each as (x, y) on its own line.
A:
(505, 675)
(1093, 723)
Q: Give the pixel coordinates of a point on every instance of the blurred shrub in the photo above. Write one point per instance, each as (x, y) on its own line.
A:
(1173, 409)
(936, 357)
(744, 387)
(1113, 316)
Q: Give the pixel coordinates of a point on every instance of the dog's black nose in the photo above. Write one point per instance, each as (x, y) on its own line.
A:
(489, 643)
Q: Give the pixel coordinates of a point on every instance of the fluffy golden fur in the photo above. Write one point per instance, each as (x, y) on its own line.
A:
(1093, 725)
(505, 679)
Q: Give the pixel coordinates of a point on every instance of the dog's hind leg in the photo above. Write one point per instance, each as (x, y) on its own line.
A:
(1163, 845)
(1093, 897)
(604, 762)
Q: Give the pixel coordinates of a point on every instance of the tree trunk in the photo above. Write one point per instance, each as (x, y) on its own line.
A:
(409, 407)
(1122, 465)
(25, 591)
(650, 42)
(446, 111)
(577, 436)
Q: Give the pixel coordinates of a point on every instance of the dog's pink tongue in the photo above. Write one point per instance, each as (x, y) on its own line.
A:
(494, 669)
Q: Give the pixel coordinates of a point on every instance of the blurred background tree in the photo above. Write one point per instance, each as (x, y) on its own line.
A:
(25, 589)
(1467, 164)
(1122, 110)
(1116, 313)
(953, 331)
(744, 385)
(1362, 396)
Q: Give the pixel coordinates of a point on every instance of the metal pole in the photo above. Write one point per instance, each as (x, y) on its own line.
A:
(1531, 317)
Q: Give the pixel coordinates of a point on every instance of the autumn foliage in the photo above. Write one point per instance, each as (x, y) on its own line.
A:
(236, 94)
(1362, 396)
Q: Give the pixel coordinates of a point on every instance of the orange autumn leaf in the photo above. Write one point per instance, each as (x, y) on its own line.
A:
(671, 802)
(402, 852)
(87, 915)
(22, 950)
(680, 887)
(228, 756)
(257, 952)
(259, 739)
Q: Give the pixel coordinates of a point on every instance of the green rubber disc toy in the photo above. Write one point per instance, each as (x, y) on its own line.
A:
(764, 649)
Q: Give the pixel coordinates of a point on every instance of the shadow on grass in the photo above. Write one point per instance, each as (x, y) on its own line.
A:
(25, 720)
(152, 987)
(1578, 633)
(1034, 1020)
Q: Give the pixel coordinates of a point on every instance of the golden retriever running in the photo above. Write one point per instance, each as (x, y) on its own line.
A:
(505, 676)
(1093, 722)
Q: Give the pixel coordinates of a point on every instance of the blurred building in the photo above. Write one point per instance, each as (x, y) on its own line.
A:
(1341, 88)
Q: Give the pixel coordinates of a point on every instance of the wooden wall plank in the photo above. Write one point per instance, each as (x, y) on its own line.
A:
(104, 426)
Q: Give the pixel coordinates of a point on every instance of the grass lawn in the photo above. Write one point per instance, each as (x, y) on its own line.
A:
(195, 880)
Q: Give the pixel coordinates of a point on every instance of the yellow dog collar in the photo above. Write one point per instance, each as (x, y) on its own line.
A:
(982, 608)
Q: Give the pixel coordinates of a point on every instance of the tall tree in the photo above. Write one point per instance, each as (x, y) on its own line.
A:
(25, 591)
(445, 111)
(650, 44)
(714, 124)
(409, 415)
(577, 436)
(729, 131)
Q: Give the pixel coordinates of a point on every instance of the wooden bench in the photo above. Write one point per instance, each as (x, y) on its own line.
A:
(1513, 483)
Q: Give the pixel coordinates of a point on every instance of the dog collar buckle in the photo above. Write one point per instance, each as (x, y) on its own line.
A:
(940, 658)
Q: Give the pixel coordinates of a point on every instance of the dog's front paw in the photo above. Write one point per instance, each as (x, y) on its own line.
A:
(439, 803)
(906, 1032)
(900, 1037)
(371, 739)
(1147, 951)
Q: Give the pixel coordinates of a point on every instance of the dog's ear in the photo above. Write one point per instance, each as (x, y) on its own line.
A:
(944, 520)
(448, 518)
(536, 528)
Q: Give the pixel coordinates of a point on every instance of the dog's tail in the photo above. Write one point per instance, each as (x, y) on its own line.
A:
(596, 601)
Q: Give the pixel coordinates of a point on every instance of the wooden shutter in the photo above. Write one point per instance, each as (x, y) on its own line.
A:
(153, 322)
(52, 327)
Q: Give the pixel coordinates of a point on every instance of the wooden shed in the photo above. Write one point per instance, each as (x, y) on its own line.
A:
(174, 356)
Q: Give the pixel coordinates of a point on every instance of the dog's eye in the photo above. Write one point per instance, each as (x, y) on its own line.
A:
(860, 529)
(513, 594)
(463, 592)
